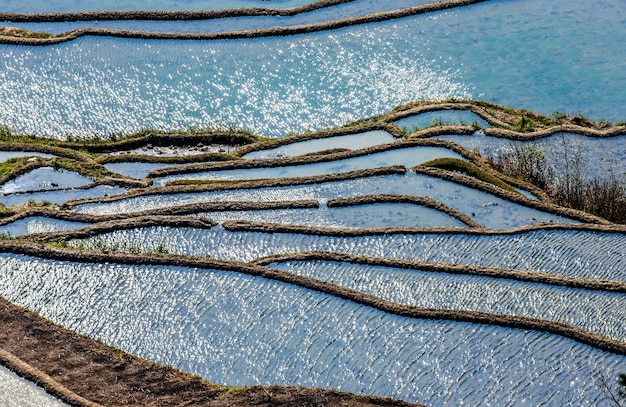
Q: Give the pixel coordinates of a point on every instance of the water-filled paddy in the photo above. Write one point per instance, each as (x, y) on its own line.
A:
(589, 255)
(346, 10)
(6, 155)
(38, 224)
(241, 330)
(593, 311)
(596, 156)
(137, 170)
(439, 117)
(56, 6)
(279, 85)
(61, 196)
(381, 215)
(17, 392)
(350, 141)
(406, 157)
(45, 178)
(486, 209)
(238, 330)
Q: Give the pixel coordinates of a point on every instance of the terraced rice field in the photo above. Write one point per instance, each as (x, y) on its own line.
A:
(300, 200)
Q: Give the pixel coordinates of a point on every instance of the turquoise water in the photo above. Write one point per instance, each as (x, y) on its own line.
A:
(275, 86)
(241, 330)
(56, 6)
(346, 10)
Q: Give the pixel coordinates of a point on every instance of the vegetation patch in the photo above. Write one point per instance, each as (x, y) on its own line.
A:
(566, 182)
(468, 168)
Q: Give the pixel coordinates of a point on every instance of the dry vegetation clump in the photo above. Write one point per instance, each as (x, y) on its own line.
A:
(567, 181)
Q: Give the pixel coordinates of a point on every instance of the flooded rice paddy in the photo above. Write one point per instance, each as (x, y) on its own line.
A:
(280, 85)
(17, 392)
(239, 330)
(406, 157)
(488, 210)
(443, 239)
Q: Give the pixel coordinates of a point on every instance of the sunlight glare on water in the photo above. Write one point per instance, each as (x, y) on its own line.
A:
(580, 254)
(486, 209)
(598, 312)
(273, 86)
(242, 330)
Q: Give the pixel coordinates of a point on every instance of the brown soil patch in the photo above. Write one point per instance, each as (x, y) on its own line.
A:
(75, 367)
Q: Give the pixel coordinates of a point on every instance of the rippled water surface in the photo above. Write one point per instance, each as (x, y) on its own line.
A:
(55, 6)
(351, 141)
(593, 311)
(60, 196)
(406, 157)
(290, 84)
(346, 10)
(38, 224)
(382, 215)
(17, 392)
(486, 209)
(588, 255)
(242, 330)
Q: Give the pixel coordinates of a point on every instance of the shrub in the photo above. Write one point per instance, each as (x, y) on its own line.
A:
(566, 182)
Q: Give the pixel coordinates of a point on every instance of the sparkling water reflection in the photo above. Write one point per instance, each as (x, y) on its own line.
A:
(383, 215)
(406, 157)
(589, 255)
(275, 86)
(18, 392)
(242, 330)
(486, 209)
(593, 311)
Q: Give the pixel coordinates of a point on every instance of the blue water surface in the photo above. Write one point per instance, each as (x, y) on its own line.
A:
(529, 54)
(345, 10)
(241, 330)
(57, 6)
